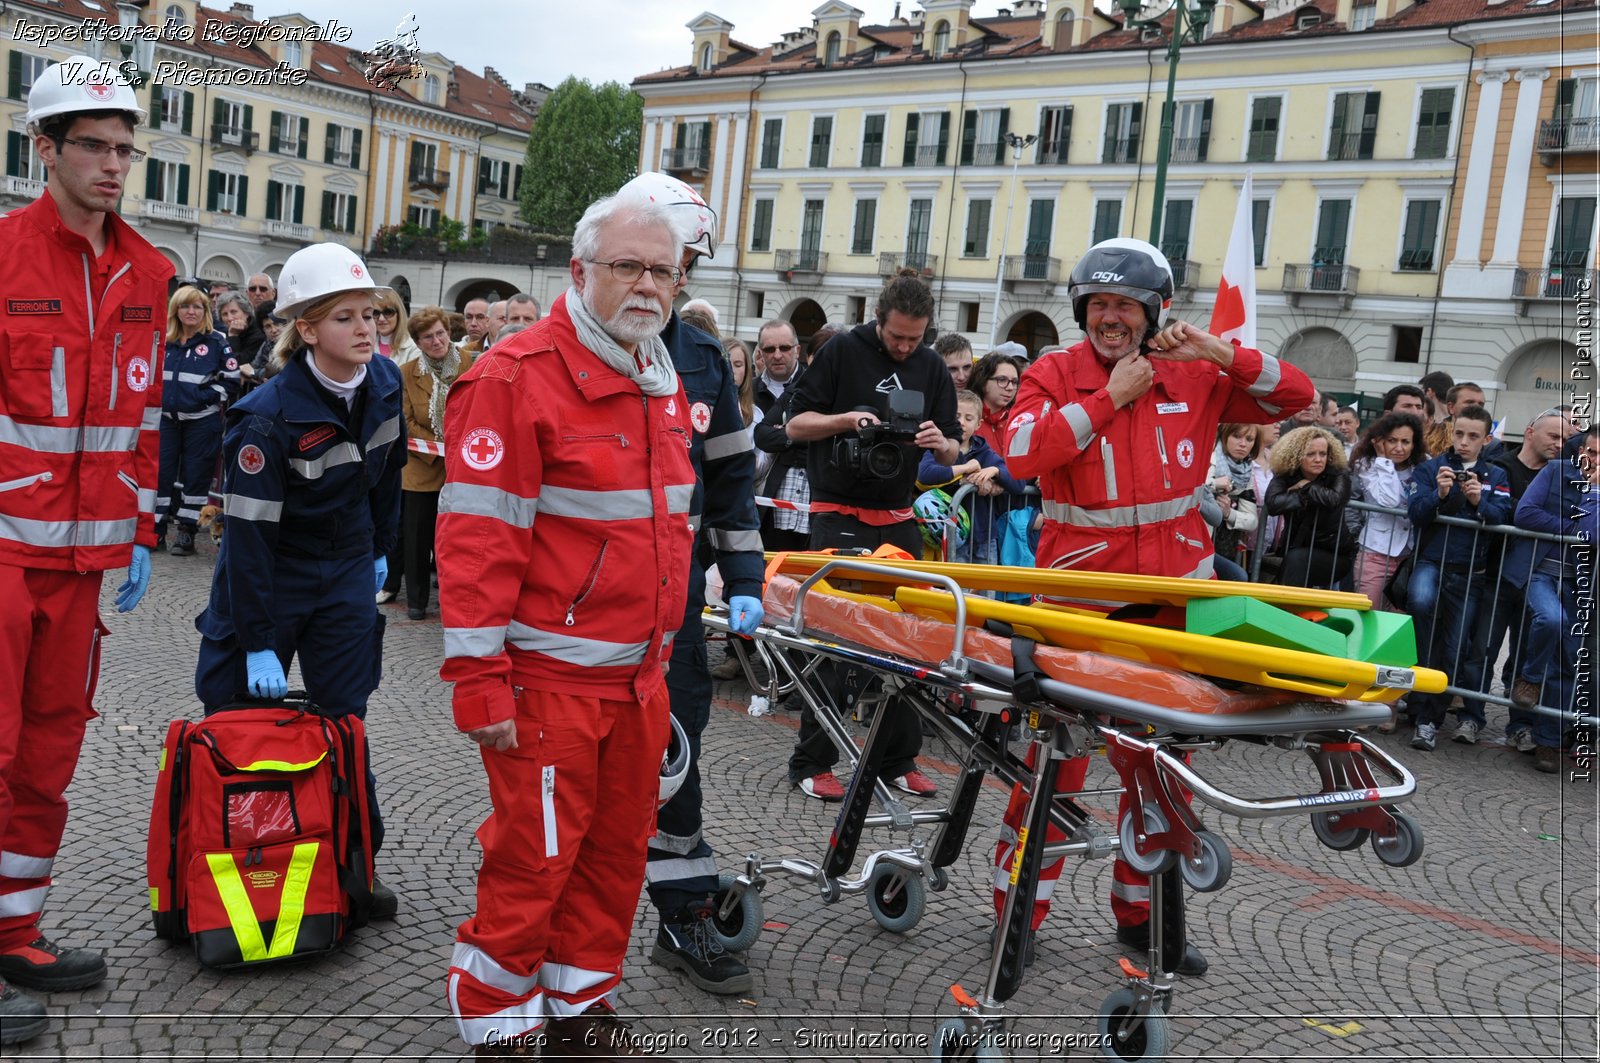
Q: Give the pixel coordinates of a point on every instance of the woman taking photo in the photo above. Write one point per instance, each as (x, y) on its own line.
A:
(995, 379)
(312, 463)
(394, 335)
(1381, 468)
(198, 376)
(426, 382)
(1309, 490)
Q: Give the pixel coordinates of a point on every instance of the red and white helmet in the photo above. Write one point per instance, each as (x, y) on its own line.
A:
(80, 84)
(693, 218)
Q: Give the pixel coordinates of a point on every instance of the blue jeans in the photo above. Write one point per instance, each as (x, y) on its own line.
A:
(1552, 649)
(1444, 603)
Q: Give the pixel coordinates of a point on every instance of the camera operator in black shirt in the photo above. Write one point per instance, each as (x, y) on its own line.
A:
(872, 399)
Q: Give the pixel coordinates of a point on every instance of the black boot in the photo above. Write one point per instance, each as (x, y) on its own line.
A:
(385, 905)
(182, 543)
(45, 965)
(1137, 938)
(21, 1017)
(689, 944)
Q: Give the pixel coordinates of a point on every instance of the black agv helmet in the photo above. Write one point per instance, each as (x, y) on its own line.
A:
(1123, 266)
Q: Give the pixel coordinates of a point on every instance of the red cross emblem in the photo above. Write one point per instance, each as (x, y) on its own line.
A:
(201, 349)
(700, 417)
(251, 460)
(99, 91)
(355, 270)
(482, 449)
(1185, 452)
(233, 363)
(138, 374)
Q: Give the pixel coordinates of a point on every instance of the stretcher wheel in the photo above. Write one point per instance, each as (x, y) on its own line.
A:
(897, 898)
(739, 929)
(1210, 870)
(1148, 1042)
(1145, 863)
(1405, 848)
(1338, 840)
(938, 880)
(959, 1048)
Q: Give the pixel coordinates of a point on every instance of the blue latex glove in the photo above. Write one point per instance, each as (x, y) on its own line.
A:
(266, 679)
(131, 593)
(380, 569)
(744, 614)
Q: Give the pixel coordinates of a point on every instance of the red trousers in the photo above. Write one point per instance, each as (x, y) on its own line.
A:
(563, 862)
(49, 663)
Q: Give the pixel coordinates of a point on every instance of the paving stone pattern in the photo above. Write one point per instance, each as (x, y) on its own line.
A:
(1485, 950)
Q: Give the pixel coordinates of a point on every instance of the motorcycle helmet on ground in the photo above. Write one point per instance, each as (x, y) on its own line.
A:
(1123, 266)
(674, 763)
(935, 512)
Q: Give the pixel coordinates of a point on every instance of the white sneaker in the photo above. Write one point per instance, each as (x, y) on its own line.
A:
(1467, 731)
(1427, 734)
(385, 597)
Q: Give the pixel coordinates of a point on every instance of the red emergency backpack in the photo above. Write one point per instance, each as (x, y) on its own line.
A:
(260, 844)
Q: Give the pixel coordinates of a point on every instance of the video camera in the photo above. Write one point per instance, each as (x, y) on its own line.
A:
(877, 451)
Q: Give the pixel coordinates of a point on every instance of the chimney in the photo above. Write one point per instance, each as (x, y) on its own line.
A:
(246, 11)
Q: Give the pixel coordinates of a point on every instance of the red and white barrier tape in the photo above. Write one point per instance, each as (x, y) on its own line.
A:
(780, 503)
(423, 446)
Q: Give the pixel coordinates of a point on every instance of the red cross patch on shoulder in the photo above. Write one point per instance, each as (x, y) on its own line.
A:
(251, 460)
(482, 449)
(700, 417)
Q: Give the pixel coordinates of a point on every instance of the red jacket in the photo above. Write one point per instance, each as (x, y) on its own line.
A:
(566, 513)
(80, 392)
(1122, 487)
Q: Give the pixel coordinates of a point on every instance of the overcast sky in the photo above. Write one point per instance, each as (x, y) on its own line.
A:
(549, 40)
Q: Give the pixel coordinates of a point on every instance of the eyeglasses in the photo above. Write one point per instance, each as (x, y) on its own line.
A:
(99, 148)
(258, 288)
(385, 311)
(1004, 381)
(627, 271)
(777, 348)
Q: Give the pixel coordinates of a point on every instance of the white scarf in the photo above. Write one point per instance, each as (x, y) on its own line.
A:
(651, 369)
(346, 390)
(444, 372)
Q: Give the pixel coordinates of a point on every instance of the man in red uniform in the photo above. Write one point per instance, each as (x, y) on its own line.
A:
(568, 490)
(1119, 430)
(80, 409)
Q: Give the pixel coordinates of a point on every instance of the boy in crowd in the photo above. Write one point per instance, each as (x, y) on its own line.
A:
(979, 465)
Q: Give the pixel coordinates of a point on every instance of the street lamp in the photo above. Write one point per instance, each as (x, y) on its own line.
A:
(128, 20)
(1188, 26)
(1018, 143)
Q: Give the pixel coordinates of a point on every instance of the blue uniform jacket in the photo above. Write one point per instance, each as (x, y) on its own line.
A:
(724, 505)
(1454, 546)
(301, 486)
(1559, 501)
(198, 377)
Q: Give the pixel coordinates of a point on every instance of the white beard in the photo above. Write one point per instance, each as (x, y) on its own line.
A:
(623, 326)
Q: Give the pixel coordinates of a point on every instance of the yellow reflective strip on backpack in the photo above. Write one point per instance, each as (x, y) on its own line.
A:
(282, 765)
(296, 884)
(241, 916)
(155, 899)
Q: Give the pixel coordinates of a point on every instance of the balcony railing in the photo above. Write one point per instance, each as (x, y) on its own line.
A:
(423, 177)
(1347, 146)
(1188, 149)
(227, 136)
(1554, 284)
(1052, 154)
(1263, 146)
(1122, 149)
(341, 157)
(928, 155)
(804, 260)
(1185, 273)
(288, 230)
(891, 262)
(686, 160)
(1416, 259)
(1320, 278)
(1558, 136)
(1034, 269)
(989, 154)
(24, 188)
(156, 210)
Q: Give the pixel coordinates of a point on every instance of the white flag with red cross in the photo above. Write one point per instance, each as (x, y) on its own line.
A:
(1233, 317)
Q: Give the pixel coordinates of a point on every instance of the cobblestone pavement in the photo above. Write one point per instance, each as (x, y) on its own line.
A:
(1485, 950)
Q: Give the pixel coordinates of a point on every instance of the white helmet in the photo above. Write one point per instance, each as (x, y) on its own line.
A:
(79, 83)
(317, 271)
(674, 763)
(696, 222)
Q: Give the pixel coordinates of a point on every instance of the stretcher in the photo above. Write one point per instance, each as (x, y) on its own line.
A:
(1013, 690)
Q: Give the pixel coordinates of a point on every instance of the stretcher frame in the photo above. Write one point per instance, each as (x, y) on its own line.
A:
(1161, 836)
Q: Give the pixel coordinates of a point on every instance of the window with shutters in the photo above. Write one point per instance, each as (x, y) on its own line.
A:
(1122, 132)
(976, 242)
(1433, 122)
(168, 182)
(864, 226)
(342, 147)
(983, 136)
(1263, 143)
(288, 136)
(1363, 16)
(494, 178)
(174, 109)
(927, 139)
(227, 193)
(1036, 248)
(423, 217)
(810, 236)
(1176, 221)
(872, 139)
(1574, 125)
(424, 162)
(1191, 131)
(1055, 130)
(821, 141)
(22, 160)
(771, 143)
(286, 202)
(1107, 220)
(1420, 234)
(1333, 236)
(761, 225)
(918, 229)
(24, 71)
(339, 212)
(230, 121)
(1260, 216)
(1354, 131)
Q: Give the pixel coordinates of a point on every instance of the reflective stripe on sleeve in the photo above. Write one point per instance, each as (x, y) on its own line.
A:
(1021, 440)
(726, 446)
(1078, 420)
(243, 507)
(481, 500)
(1268, 379)
(474, 641)
(313, 468)
(734, 541)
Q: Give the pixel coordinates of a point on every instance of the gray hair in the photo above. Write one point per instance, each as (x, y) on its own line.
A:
(702, 306)
(586, 238)
(523, 297)
(233, 299)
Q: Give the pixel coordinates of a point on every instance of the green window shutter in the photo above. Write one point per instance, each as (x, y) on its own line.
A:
(219, 114)
(483, 175)
(355, 149)
(249, 118)
(1260, 210)
(969, 136)
(327, 209)
(16, 151)
(330, 143)
(944, 136)
(188, 113)
(1369, 125)
(155, 106)
(1566, 93)
(299, 204)
(505, 181)
(152, 176)
(213, 188)
(1205, 129)
(274, 139)
(14, 76)
(1005, 124)
(516, 183)
(350, 214)
(1135, 127)
(244, 195)
(416, 158)
(183, 183)
(305, 136)
(909, 157)
(1108, 150)
(679, 136)
(274, 191)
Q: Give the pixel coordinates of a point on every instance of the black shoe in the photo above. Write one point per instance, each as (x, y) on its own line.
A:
(1193, 963)
(182, 543)
(690, 944)
(415, 613)
(385, 905)
(21, 1017)
(45, 965)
